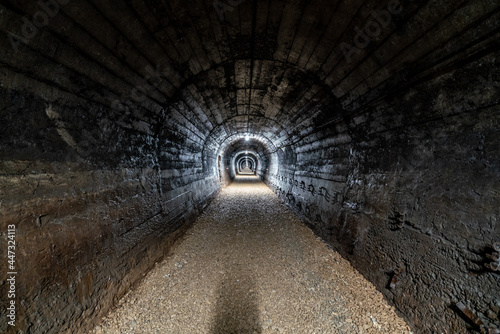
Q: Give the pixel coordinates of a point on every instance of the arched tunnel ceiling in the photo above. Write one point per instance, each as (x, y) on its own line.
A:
(237, 146)
(281, 103)
(210, 71)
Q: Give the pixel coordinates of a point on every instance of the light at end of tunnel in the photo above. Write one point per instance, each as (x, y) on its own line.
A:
(247, 137)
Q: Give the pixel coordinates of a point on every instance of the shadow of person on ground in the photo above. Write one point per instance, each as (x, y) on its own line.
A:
(236, 310)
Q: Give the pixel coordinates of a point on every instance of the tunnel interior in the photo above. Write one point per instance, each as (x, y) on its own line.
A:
(252, 153)
(377, 123)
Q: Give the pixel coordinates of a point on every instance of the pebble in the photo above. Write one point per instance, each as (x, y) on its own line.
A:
(253, 268)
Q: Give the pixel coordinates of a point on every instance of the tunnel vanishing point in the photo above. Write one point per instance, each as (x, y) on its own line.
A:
(376, 122)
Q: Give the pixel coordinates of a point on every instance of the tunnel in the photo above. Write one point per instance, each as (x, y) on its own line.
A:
(375, 123)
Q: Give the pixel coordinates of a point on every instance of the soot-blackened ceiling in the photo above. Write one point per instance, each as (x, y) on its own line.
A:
(221, 69)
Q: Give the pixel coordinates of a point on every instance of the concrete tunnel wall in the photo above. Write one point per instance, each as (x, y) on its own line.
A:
(114, 115)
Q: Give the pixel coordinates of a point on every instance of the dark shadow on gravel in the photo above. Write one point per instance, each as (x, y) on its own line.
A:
(236, 310)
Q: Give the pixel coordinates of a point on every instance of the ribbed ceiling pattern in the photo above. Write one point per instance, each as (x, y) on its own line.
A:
(271, 68)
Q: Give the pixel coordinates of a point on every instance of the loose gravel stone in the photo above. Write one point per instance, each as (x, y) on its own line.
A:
(248, 265)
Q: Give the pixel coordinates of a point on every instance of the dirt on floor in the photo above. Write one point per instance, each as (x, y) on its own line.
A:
(248, 265)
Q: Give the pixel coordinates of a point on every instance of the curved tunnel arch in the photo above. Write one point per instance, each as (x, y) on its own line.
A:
(236, 146)
(281, 127)
(242, 157)
(245, 160)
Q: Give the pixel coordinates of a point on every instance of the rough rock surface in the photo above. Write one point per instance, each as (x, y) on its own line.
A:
(412, 195)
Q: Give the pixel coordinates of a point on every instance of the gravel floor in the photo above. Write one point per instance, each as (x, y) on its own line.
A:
(248, 265)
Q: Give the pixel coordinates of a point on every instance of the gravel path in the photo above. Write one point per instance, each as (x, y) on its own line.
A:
(248, 265)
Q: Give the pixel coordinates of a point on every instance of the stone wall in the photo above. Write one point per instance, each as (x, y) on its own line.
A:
(94, 204)
(408, 192)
